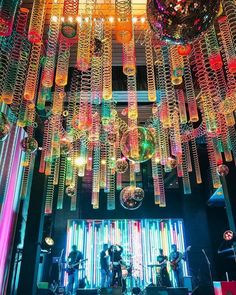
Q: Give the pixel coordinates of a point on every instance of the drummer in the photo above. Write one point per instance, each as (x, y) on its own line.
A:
(163, 275)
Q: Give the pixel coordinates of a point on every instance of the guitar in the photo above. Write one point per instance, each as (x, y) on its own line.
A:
(175, 263)
(71, 266)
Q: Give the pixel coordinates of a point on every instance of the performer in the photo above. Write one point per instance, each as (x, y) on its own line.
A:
(176, 265)
(115, 252)
(73, 261)
(164, 275)
(105, 267)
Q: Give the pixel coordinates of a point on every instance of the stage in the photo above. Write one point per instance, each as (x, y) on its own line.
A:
(140, 239)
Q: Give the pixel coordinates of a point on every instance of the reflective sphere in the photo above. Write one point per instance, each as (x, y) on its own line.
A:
(222, 170)
(138, 194)
(98, 48)
(138, 144)
(29, 144)
(70, 191)
(65, 146)
(121, 165)
(4, 126)
(127, 198)
(181, 22)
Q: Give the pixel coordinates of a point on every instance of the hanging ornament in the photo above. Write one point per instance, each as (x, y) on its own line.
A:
(222, 170)
(121, 165)
(172, 162)
(70, 191)
(138, 144)
(127, 198)
(181, 21)
(65, 146)
(4, 126)
(29, 145)
(184, 50)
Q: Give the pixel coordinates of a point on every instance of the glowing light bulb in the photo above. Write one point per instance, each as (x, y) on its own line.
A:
(80, 161)
(79, 19)
(70, 19)
(143, 19)
(111, 19)
(54, 18)
(134, 19)
(62, 19)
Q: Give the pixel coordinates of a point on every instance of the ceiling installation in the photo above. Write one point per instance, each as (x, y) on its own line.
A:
(188, 49)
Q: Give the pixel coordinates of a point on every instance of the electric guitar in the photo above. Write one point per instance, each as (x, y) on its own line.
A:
(175, 263)
(71, 266)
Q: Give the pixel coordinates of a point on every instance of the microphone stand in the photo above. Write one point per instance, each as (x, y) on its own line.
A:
(209, 266)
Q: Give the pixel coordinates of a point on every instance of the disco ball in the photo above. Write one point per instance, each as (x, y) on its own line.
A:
(138, 194)
(29, 145)
(98, 48)
(70, 191)
(222, 170)
(138, 144)
(65, 146)
(4, 126)
(121, 165)
(127, 198)
(181, 22)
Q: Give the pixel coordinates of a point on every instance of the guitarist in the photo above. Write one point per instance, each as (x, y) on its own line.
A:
(73, 262)
(175, 258)
(164, 275)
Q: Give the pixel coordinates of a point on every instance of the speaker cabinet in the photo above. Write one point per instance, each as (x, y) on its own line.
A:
(87, 292)
(225, 288)
(111, 291)
(166, 291)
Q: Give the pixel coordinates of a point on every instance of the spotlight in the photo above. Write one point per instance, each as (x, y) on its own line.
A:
(228, 235)
(49, 241)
